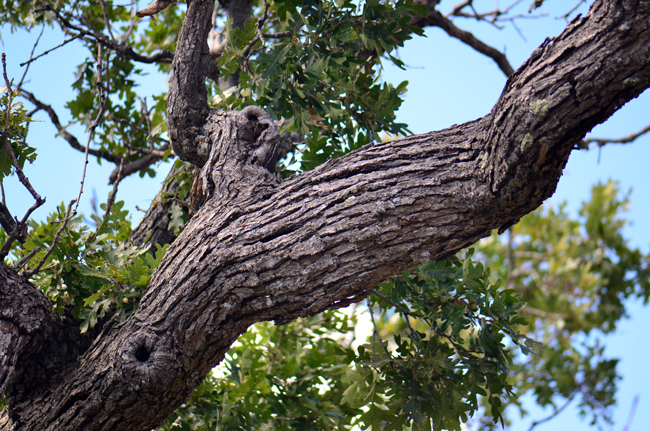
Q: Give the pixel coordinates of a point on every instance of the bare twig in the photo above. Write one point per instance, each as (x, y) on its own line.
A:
(22, 262)
(100, 114)
(568, 14)
(72, 140)
(122, 49)
(555, 412)
(107, 22)
(65, 42)
(436, 19)
(628, 424)
(109, 202)
(22, 78)
(624, 140)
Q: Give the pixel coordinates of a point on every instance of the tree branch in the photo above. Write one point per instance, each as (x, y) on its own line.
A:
(436, 19)
(260, 249)
(601, 142)
(70, 138)
(123, 50)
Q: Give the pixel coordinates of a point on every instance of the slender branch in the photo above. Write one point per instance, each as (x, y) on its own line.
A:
(55, 241)
(635, 402)
(107, 22)
(156, 7)
(436, 19)
(109, 202)
(65, 42)
(279, 35)
(22, 78)
(394, 304)
(22, 262)
(21, 175)
(91, 132)
(555, 412)
(72, 140)
(123, 50)
(624, 140)
(376, 331)
(139, 150)
(136, 166)
(568, 14)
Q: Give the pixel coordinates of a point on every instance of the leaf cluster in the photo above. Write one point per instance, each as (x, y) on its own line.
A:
(95, 275)
(574, 276)
(322, 75)
(14, 124)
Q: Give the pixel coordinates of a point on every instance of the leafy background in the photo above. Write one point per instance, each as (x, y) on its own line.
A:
(449, 83)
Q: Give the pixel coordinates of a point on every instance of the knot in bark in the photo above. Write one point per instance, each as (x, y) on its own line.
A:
(243, 154)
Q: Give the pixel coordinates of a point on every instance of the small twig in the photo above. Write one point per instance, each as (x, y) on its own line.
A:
(628, 424)
(568, 14)
(436, 19)
(72, 140)
(107, 23)
(65, 42)
(376, 331)
(22, 78)
(22, 262)
(624, 140)
(260, 36)
(182, 203)
(275, 352)
(279, 35)
(399, 307)
(109, 202)
(91, 133)
(122, 49)
(55, 241)
(556, 412)
(138, 150)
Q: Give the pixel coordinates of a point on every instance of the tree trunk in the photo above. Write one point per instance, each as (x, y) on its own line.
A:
(264, 249)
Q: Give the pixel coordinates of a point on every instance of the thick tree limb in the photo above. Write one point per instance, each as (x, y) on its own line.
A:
(263, 250)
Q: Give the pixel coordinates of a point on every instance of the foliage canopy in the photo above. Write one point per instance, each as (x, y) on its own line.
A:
(449, 342)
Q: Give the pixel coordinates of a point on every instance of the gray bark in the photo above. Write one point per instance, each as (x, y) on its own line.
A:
(261, 249)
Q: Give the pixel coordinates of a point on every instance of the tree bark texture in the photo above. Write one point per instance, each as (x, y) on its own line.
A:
(265, 249)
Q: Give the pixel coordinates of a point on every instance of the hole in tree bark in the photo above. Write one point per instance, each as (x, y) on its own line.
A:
(142, 354)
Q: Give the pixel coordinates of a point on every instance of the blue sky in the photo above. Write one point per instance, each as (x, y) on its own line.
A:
(449, 83)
